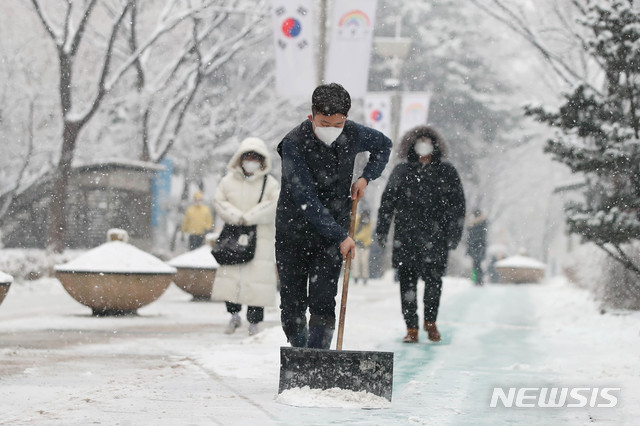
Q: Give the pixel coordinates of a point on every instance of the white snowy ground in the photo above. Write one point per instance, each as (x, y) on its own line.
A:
(172, 364)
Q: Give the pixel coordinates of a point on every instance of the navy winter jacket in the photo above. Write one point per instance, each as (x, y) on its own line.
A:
(315, 197)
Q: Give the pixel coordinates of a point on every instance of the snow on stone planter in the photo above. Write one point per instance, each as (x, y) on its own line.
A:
(5, 283)
(196, 272)
(117, 234)
(115, 278)
(520, 269)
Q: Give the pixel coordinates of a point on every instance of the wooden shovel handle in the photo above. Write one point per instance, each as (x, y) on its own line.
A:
(345, 285)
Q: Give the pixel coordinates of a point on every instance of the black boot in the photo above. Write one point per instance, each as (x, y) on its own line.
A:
(320, 337)
(299, 340)
(321, 331)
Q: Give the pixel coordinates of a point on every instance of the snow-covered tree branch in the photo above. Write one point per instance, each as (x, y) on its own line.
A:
(199, 58)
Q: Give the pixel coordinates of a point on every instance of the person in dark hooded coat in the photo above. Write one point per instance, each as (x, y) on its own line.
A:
(425, 200)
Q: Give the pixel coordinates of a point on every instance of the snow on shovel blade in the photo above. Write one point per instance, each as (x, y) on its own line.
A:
(326, 369)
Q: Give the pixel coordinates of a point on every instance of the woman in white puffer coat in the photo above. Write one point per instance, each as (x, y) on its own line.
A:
(236, 201)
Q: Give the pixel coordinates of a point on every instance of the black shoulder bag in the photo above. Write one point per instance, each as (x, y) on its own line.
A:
(237, 243)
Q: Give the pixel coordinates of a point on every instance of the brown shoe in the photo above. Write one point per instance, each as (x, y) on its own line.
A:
(412, 336)
(432, 331)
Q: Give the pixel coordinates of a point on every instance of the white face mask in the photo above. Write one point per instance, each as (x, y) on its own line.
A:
(423, 148)
(251, 166)
(328, 134)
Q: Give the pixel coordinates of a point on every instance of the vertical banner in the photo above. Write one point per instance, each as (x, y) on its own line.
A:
(377, 110)
(293, 37)
(350, 47)
(414, 111)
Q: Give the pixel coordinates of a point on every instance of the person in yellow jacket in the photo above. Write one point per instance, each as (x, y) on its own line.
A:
(363, 237)
(197, 221)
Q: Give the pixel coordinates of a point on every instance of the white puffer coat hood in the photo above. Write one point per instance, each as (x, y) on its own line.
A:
(251, 144)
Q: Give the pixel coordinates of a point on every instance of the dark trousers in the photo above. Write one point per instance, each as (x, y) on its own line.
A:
(432, 276)
(195, 241)
(255, 314)
(309, 270)
(477, 268)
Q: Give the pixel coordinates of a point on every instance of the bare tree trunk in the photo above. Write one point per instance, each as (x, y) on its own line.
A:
(133, 45)
(145, 155)
(67, 48)
(57, 207)
(70, 130)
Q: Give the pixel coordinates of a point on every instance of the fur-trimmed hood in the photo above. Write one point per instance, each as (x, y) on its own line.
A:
(251, 144)
(410, 138)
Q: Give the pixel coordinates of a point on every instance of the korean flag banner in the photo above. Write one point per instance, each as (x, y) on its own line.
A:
(350, 48)
(414, 111)
(293, 37)
(377, 110)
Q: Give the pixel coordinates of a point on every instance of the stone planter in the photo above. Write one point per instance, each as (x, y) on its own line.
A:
(115, 278)
(114, 294)
(5, 283)
(196, 282)
(520, 269)
(196, 272)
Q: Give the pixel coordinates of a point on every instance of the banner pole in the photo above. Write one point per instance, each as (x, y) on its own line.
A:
(322, 46)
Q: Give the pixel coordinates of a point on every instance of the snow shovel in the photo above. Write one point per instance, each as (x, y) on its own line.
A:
(326, 369)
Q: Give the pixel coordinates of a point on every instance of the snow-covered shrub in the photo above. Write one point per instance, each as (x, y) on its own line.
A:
(31, 264)
(584, 266)
(622, 287)
(615, 286)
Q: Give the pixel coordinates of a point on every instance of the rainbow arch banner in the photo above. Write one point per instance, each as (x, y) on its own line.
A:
(350, 47)
(294, 46)
(414, 111)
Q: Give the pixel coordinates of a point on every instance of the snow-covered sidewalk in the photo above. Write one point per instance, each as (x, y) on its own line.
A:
(172, 364)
